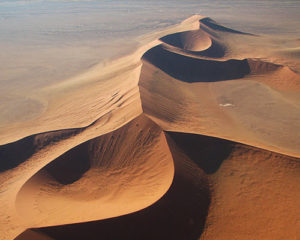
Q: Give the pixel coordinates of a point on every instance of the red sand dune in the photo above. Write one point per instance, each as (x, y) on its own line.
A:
(194, 136)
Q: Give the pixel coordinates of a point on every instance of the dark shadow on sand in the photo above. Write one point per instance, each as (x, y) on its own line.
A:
(217, 27)
(179, 214)
(70, 166)
(216, 50)
(207, 152)
(15, 153)
(189, 69)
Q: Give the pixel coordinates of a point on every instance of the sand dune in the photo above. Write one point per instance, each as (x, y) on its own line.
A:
(213, 195)
(213, 25)
(132, 167)
(195, 41)
(193, 136)
(189, 69)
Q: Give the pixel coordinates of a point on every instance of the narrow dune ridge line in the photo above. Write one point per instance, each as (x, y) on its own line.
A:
(71, 93)
(213, 25)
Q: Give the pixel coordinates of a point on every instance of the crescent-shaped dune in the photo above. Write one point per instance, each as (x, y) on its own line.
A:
(132, 168)
(218, 194)
(196, 40)
(193, 136)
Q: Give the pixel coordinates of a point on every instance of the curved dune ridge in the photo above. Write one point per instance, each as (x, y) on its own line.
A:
(122, 163)
(194, 136)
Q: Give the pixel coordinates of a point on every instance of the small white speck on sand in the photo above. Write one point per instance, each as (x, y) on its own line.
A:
(225, 104)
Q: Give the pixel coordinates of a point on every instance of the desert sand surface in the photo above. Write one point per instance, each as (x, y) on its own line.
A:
(195, 135)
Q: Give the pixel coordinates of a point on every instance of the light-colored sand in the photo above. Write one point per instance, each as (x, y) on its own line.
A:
(194, 136)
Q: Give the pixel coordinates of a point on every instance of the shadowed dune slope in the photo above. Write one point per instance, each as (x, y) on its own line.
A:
(189, 69)
(208, 22)
(13, 154)
(132, 167)
(216, 50)
(207, 152)
(195, 70)
(179, 214)
(258, 66)
(33, 235)
(229, 191)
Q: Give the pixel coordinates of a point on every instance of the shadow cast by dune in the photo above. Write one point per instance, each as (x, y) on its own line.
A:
(216, 50)
(175, 216)
(217, 27)
(207, 152)
(70, 166)
(13, 154)
(180, 214)
(175, 39)
(190, 69)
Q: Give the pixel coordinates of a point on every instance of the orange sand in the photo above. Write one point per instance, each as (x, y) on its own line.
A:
(194, 136)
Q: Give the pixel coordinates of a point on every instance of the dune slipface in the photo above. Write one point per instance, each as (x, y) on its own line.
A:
(194, 136)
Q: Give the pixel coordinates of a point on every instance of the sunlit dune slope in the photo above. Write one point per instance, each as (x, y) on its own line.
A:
(233, 96)
(235, 191)
(132, 168)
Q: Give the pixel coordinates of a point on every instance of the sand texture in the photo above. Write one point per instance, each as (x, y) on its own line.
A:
(195, 136)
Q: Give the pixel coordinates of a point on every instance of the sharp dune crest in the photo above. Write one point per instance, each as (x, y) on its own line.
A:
(194, 136)
(132, 167)
(196, 40)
